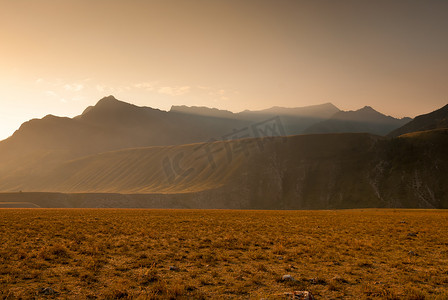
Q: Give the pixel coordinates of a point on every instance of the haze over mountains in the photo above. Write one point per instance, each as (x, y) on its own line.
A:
(113, 124)
(364, 120)
(119, 155)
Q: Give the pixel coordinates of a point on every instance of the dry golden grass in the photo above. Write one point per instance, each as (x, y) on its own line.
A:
(111, 253)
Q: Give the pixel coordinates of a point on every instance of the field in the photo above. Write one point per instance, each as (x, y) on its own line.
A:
(194, 254)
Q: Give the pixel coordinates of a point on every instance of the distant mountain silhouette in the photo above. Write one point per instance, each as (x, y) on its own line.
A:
(113, 125)
(203, 111)
(325, 110)
(321, 111)
(434, 120)
(363, 120)
(294, 120)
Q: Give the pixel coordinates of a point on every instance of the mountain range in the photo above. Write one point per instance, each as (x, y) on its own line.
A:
(112, 124)
(364, 120)
(119, 155)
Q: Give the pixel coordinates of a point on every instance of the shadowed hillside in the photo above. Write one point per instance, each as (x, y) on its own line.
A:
(434, 120)
(295, 172)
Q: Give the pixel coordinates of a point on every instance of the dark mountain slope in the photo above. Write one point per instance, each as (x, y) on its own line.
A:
(434, 120)
(297, 172)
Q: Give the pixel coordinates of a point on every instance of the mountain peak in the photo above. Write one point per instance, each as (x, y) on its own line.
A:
(368, 109)
(110, 100)
(110, 97)
(329, 104)
(365, 119)
(109, 103)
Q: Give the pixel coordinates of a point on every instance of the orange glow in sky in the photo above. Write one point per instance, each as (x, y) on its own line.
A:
(58, 57)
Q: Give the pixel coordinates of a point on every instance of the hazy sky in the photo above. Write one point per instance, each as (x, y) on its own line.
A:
(60, 56)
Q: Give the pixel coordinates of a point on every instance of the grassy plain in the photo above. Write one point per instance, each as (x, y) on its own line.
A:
(113, 253)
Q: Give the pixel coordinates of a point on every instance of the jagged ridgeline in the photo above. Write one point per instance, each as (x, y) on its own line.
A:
(119, 155)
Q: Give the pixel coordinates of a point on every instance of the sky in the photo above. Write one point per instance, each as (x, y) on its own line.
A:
(58, 57)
